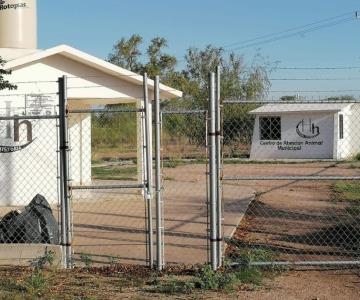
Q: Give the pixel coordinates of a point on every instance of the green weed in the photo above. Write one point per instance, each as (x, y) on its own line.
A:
(86, 259)
(40, 262)
(174, 286)
(37, 283)
(348, 192)
(114, 173)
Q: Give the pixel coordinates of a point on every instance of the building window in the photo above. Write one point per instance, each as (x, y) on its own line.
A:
(270, 128)
(341, 127)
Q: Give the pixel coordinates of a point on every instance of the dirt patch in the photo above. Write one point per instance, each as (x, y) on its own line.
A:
(298, 220)
(129, 282)
(310, 285)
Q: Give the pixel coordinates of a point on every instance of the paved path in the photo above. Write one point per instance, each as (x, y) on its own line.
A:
(110, 223)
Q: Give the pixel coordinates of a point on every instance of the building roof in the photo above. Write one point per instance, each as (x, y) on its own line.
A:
(300, 107)
(91, 61)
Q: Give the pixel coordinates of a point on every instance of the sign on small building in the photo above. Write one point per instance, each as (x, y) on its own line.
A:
(306, 131)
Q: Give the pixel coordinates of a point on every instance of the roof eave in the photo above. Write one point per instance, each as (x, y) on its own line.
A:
(97, 63)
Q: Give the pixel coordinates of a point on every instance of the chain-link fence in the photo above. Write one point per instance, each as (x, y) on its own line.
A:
(29, 163)
(281, 188)
(291, 182)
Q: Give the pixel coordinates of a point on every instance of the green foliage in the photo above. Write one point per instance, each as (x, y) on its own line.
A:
(238, 81)
(10, 286)
(114, 173)
(207, 279)
(357, 157)
(86, 259)
(39, 263)
(341, 98)
(126, 54)
(37, 283)
(348, 192)
(5, 84)
(288, 98)
(113, 129)
(248, 256)
(173, 286)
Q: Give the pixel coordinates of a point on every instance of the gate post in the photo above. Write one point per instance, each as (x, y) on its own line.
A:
(219, 206)
(64, 174)
(212, 172)
(159, 204)
(148, 178)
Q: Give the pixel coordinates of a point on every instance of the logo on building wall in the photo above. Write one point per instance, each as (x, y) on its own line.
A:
(18, 147)
(307, 129)
(4, 6)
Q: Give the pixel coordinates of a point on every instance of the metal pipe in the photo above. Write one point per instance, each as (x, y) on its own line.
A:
(185, 112)
(218, 168)
(287, 102)
(244, 178)
(118, 110)
(159, 225)
(29, 118)
(148, 159)
(300, 263)
(212, 172)
(107, 187)
(64, 173)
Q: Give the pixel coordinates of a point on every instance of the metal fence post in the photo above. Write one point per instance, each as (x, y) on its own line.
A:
(219, 207)
(64, 173)
(149, 168)
(159, 225)
(212, 172)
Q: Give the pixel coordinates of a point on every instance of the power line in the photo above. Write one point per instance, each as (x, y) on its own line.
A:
(317, 68)
(314, 79)
(286, 31)
(302, 32)
(314, 91)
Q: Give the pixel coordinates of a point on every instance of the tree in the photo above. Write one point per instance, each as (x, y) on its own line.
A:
(341, 98)
(288, 98)
(5, 84)
(126, 54)
(238, 81)
(159, 63)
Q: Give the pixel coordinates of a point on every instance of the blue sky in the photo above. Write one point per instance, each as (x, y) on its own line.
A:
(94, 26)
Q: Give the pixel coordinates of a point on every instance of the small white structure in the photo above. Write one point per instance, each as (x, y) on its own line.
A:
(306, 131)
(28, 164)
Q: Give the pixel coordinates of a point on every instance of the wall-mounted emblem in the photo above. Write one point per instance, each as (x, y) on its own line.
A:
(17, 145)
(307, 130)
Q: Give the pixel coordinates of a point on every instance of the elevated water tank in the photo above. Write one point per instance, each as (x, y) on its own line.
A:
(18, 24)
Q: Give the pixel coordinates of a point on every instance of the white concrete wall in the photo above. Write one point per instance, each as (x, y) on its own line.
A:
(80, 145)
(293, 146)
(351, 132)
(33, 170)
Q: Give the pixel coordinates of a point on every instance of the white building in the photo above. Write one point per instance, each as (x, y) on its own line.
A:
(306, 131)
(32, 167)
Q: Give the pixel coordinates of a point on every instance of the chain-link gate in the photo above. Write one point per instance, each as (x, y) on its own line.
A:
(110, 169)
(185, 187)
